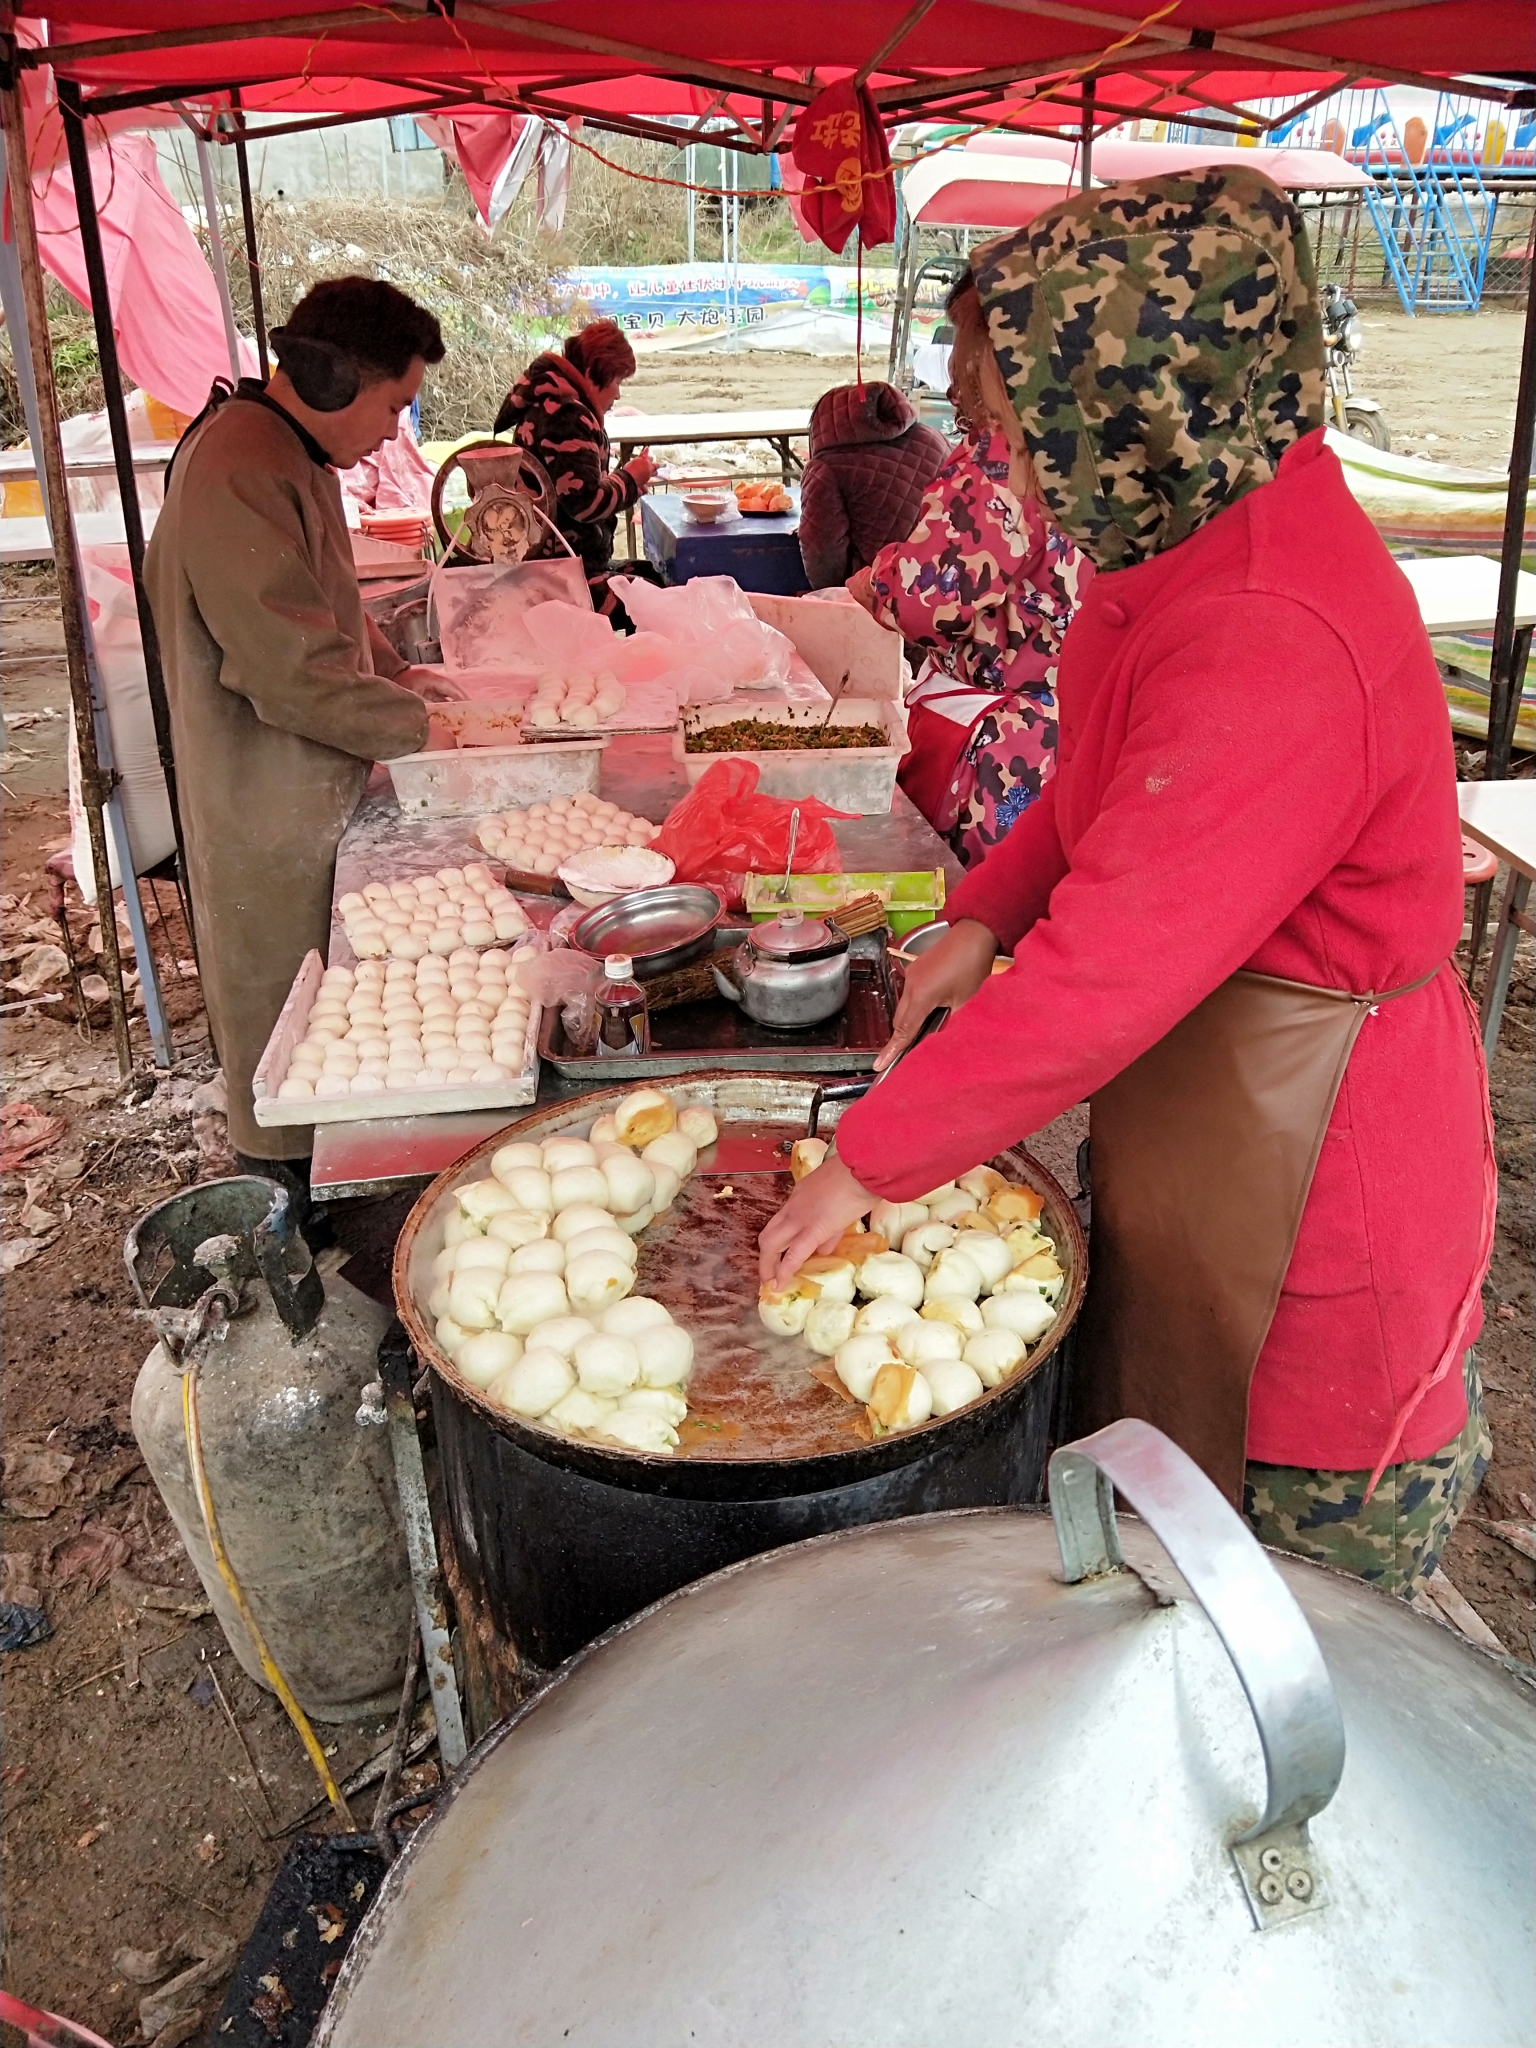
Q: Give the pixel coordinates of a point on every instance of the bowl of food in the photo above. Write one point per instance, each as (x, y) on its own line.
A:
(599, 873)
(707, 506)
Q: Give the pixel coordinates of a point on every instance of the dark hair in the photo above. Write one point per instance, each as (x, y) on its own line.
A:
(369, 320)
(601, 352)
(964, 281)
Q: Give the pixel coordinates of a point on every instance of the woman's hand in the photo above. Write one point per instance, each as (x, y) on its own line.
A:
(859, 588)
(642, 467)
(943, 978)
(813, 1219)
(432, 685)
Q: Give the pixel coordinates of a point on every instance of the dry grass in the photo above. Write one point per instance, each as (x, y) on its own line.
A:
(76, 367)
(611, 218)
(491, 294)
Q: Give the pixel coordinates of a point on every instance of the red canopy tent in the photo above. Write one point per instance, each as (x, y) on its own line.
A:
(741, 73)
(755, 65)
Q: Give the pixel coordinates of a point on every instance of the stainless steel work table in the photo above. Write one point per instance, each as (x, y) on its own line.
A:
(380, 1154)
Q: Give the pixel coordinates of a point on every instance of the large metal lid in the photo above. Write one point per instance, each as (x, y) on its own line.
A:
(905, 1786)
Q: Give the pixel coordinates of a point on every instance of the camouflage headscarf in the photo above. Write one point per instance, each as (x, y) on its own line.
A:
(1162, 346)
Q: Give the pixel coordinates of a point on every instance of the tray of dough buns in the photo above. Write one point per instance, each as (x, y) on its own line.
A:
(395, 1037)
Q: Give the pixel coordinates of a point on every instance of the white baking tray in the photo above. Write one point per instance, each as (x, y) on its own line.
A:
(293, 1020)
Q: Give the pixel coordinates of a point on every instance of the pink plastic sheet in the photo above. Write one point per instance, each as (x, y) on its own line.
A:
(165, 304)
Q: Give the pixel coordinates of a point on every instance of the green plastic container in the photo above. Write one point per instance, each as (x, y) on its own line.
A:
(912, 897)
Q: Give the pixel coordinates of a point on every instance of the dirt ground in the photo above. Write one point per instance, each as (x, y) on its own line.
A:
(1447, 382)
(148, 1786)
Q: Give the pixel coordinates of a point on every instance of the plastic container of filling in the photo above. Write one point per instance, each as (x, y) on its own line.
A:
(858, 779)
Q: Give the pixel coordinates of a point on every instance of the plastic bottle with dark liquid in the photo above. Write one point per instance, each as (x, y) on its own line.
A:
(623, 1018)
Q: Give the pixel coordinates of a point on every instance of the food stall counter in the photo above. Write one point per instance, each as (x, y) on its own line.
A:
(640, 773)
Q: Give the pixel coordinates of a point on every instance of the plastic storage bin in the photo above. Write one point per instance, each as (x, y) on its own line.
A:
(474, 781)
(858, 779)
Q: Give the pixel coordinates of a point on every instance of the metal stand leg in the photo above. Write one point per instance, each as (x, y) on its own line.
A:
(149, 983)
(1482, 898)
(1512, 921)
(421, 1545)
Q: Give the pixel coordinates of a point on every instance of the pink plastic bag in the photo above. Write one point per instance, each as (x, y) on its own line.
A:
(712, 626)
(724, 829)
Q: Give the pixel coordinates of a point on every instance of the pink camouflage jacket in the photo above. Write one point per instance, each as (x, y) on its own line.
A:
(987, 590)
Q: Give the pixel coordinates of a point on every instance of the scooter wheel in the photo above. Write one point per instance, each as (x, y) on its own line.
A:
(1367, 426)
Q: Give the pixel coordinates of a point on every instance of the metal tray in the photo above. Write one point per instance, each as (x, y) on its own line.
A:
(719, 1036)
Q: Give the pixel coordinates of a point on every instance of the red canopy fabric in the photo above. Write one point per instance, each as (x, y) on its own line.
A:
(165, 304)
(348, 56)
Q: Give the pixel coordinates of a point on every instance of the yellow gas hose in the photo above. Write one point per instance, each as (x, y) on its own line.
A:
(275, 1678)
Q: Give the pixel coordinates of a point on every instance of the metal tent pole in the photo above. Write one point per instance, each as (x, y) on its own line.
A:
(1511, 648)
(1087, 146)
(34, 370)
(252, 248)
(122, 451)
(216, 244)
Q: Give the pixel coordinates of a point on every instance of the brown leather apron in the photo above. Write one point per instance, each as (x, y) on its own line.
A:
(1202, 1156)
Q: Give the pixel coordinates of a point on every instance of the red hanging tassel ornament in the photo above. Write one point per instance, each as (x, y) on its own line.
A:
(840, 146)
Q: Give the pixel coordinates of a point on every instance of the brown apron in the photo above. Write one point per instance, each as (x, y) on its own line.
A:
(1202, 1156)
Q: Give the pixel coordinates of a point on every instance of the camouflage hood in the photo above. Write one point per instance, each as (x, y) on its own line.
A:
(1162, 347)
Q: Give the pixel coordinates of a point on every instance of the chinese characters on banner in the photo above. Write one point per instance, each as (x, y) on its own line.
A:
(840, 146)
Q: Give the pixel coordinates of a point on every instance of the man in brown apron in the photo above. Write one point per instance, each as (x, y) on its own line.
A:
(281, 691)
(1231, 912)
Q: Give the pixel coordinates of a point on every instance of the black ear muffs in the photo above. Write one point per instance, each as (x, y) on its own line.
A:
(326, 377)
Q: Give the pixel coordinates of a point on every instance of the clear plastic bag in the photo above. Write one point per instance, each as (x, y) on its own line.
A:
(481, 611)
(571, 637)
(548, 973)
(711, 622)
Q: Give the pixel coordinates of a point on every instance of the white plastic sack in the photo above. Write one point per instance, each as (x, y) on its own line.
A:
(715, 630)
(120, 661)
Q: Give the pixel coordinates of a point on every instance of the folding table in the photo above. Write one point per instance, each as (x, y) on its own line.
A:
(1502, 817)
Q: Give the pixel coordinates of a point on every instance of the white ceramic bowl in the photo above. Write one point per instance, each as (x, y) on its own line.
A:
(600, 873)
(706, 506)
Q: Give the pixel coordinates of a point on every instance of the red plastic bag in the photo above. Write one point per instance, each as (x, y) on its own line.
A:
(724, 829)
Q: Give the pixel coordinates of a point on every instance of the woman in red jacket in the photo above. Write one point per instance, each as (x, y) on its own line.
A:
(1231, 912)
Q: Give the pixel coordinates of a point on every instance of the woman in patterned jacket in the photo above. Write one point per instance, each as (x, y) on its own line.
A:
(555, 410)
(985, 589)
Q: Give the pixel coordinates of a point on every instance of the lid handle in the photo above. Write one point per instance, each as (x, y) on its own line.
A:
(1249, 1605)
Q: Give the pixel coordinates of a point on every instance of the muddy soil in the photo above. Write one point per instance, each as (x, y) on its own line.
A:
(148, 1785)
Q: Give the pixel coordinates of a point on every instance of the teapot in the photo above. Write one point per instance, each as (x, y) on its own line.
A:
(792, 972)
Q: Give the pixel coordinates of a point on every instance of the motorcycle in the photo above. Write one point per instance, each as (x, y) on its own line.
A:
(1342, 341)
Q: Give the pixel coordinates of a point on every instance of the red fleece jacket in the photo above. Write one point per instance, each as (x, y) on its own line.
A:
(1255, 769)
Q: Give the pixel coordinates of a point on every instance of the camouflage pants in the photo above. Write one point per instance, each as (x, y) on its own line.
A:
(1395, 1538)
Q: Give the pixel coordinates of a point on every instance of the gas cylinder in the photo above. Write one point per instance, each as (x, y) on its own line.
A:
(302, 1489)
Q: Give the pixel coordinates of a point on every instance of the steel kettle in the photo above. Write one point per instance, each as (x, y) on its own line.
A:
(951, 1781)
(792, 972)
